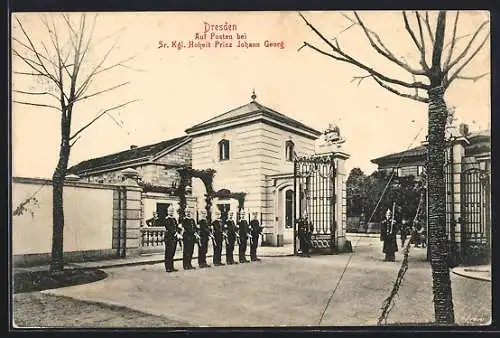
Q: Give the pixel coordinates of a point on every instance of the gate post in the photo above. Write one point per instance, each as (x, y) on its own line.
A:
(131, 214)
(458, 153)
(340, 222)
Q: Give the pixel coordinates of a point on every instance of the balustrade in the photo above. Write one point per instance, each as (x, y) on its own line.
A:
(152, 236)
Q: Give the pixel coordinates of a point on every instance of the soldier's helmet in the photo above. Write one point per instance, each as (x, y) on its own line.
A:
(231, 214)
(170, 210)
(242, 214)
(304, 215)
(188, 213)
(388, 213)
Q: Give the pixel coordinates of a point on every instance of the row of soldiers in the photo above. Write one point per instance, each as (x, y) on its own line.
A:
(187, 233)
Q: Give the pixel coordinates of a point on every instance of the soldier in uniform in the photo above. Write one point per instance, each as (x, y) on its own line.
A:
(154, 221)
(304, 233)
(218, 239)
(171, 237)
(388, 230)
(255, 231)
(189, 239)
(243, 232)
(204, 231)
(230, 230)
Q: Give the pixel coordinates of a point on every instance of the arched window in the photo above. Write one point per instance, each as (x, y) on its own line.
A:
(223, 150)
(289, 151)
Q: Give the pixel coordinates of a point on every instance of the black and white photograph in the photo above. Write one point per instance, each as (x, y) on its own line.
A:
(261, 169)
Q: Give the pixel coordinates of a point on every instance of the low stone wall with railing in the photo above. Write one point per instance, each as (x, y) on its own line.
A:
(152, 238)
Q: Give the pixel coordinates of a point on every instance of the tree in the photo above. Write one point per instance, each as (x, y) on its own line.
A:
(62, 68)
(354, 187)
(381, 189)
(440, 64)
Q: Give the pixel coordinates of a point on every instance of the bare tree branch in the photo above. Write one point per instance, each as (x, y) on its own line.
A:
(37, 104)
(412, 34)
(347, 58)
(73, 143)
(472, 78)
(28, 73)
(466, 62)
(33, 48)
(386, 52)
(453, 41)
(393, 90)
(100, 92)
(86, 82)
(361, 78)
(423, 61)
(99, 116)
(35, 93)
(466, 49)
(428, 25)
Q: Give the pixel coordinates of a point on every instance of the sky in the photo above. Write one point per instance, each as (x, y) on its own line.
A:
(178, 88)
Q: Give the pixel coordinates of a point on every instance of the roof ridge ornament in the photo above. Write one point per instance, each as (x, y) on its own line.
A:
(254, 96)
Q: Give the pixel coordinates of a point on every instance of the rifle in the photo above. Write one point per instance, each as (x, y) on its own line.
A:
(198, 239)
(392, 220)
(211, 235)
(179, 239)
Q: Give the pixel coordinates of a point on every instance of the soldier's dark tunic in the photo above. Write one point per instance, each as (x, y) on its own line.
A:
(219, 237)
(388, 236)
(170, 242)
(243, 232)
(255, 230)
(303, 234)
(204, 236)
(188, 240)
(230, 229)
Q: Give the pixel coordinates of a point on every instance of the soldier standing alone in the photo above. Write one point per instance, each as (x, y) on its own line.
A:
(255, 230)
(171, 236)
(388, 230)
(230, 230)
(243, 232)
(189, 226)
(204, 230)
(219, 237)
(304, 234)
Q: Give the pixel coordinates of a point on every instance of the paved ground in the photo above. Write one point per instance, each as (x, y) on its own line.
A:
(277, 291)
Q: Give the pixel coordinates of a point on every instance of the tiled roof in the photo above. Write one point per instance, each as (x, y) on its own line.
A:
(113, 160)
(249, 110)
(479, 142)
(413, 152)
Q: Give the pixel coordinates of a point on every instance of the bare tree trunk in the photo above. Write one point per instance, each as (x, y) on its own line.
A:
(57, 261)
(443, 302)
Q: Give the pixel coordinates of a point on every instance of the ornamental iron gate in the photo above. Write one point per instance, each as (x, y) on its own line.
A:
(475, 212)
(314, 180)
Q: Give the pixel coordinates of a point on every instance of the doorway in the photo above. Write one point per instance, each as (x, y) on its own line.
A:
(162, 209)
(289, 209)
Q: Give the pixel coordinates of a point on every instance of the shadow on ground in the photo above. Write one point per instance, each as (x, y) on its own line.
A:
(30, 281)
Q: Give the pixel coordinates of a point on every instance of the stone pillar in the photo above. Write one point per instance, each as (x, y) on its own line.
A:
(131, 213)
(343, 245)
(458, 153)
